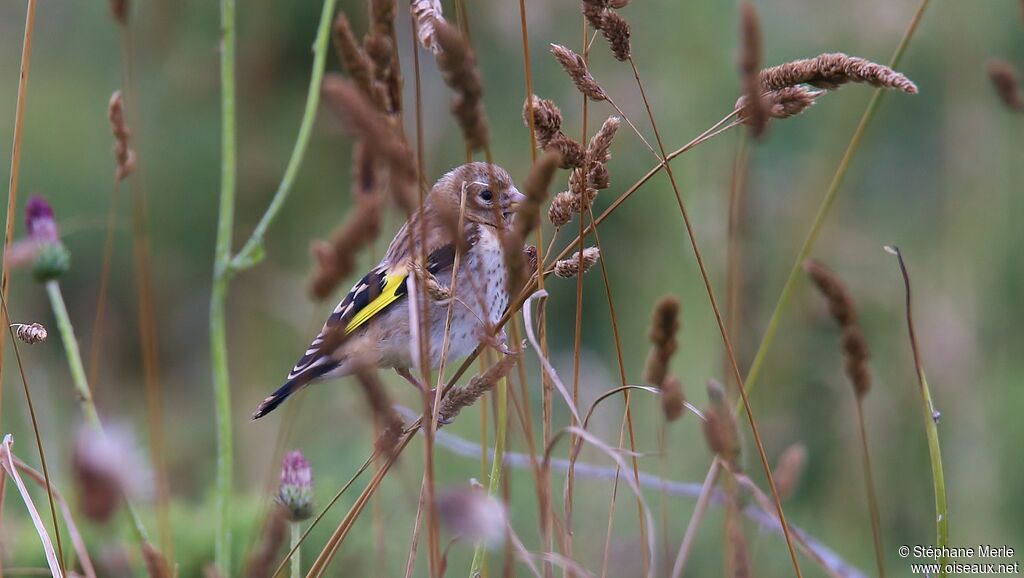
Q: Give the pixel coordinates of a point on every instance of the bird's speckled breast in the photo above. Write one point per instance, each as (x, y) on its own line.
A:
(482, 297)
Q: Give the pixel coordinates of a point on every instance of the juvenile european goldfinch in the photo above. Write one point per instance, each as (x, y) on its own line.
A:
(375, 313)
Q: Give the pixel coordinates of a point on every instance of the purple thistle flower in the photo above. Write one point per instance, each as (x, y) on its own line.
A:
(40, 221)
(296, 490)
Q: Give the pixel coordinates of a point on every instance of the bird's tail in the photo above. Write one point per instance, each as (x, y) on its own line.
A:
(270, 404)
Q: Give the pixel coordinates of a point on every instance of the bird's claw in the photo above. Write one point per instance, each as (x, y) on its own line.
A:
(497, 341)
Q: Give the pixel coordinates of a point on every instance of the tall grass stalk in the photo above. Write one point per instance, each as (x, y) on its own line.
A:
(826, 204)
(252, 252)
(12, 184)
(931, 425)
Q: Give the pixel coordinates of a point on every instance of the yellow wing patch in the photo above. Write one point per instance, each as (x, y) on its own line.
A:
(388, 295)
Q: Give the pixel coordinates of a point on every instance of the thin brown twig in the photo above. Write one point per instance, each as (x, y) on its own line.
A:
(12, 184)
(721, 324)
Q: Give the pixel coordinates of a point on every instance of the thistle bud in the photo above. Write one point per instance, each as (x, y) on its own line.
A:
(296, 491)
(41, 249)
(471, 514)
(52, 261)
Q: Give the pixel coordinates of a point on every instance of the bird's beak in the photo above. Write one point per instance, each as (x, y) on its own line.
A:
(515, 198)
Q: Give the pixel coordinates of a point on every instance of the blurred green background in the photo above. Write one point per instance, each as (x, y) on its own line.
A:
(939, 175)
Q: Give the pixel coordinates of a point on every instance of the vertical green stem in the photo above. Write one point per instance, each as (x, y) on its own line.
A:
(82, 391)
(297, 553)
(218, 296)
(494, 484)
(67, 336)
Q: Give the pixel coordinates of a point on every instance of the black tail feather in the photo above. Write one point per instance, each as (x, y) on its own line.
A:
(270, 404)
(291, 386)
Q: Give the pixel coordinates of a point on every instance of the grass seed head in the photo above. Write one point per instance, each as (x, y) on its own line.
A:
(720, 429)
(576, 68)
(1004, 79)
(664, 327)
(831, 70)
(616, 31)
(572, 266)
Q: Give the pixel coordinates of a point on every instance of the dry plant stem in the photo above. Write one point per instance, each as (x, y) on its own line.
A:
(35, 427)
(931, 425)
(826, 204)
(567, 539)
(76, 537)
(627, 418)
(12, 184)
(338, 536)
(869, 483)
(225, 265)
(543, 479)
(148, 331)
(734, 248)
(53, 559)
(721, 325)
(698, 515)
(410, 561)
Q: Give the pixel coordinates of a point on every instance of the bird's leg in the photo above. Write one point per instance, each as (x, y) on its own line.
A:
(431, 393)
(497, 341)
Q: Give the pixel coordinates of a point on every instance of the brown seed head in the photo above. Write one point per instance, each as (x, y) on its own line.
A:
(571, 267)
(790, 469)
(720, 430)
(458, 66)
(664, 327)
(356, 62)
(600, 144)
(335, 260)
(536, 188)
(458, 399)
(831, 70)
(377, 135)
(594, 11)
(120, 10)
(843, 310)
(572, 153)
(782, 103)
(382, 15)
(576, 68)
(1004, 78)
(547, 119)
(673, 398)
(123, 154)
(597, 178)
(563, 207)
(616, 31)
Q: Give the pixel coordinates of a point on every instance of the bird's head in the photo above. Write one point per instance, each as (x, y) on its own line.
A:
(491, 198)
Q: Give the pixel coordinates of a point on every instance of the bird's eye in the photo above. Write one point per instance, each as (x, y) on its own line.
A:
(486, 194)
